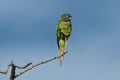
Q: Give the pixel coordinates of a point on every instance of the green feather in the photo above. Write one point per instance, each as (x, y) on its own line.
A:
(63, 29)
(63, 32)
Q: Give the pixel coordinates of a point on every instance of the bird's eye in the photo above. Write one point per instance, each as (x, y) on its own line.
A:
(70, 18)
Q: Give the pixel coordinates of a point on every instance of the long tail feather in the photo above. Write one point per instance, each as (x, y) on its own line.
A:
(61, 53)
(66, 45)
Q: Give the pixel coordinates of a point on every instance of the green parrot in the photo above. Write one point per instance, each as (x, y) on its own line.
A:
(63, 31)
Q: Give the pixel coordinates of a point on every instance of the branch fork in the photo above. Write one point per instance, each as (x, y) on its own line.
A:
(26, 67)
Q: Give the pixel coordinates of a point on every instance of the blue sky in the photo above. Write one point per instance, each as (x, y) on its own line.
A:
(27, 34)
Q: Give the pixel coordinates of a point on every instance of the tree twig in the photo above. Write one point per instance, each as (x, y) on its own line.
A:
(40, 63)
(22, 67)
(7, 68)
(13, 75)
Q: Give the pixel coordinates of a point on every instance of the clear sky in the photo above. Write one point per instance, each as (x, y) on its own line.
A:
(28, 34)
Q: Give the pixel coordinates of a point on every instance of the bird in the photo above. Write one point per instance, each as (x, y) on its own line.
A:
(63, 32)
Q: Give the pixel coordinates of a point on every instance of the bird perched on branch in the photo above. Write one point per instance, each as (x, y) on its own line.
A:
(64, 28)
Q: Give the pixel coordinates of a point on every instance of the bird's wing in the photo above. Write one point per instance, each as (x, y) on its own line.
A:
(58, 34)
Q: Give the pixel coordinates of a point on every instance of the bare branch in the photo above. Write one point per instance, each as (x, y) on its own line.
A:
(7, 68)
(13, 74)
(22, 67)
(14, 66)
(39, 63)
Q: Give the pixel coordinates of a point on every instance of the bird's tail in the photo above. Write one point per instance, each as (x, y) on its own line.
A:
(61, 55)
(66, 45)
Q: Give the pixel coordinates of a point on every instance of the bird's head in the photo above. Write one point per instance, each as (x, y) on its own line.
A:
(66, 17)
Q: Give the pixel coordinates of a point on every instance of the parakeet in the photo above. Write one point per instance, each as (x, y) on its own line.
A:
(63, 31)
